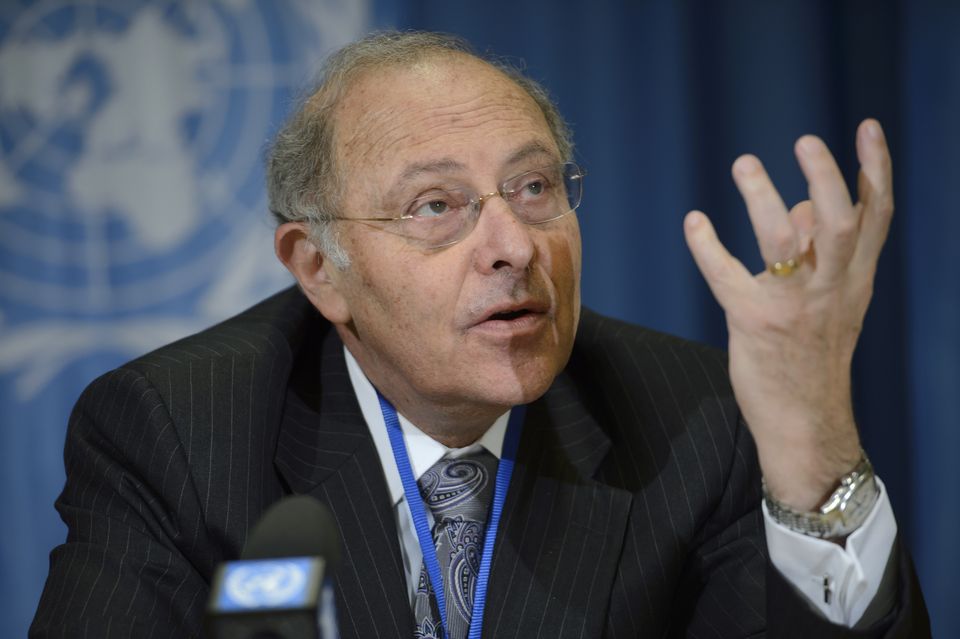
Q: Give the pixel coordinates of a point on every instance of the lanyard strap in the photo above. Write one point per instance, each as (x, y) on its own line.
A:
(417, 510)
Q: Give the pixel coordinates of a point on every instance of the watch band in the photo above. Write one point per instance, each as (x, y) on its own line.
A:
(844, 511)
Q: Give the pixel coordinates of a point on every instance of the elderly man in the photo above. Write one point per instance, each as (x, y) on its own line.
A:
(425, 199)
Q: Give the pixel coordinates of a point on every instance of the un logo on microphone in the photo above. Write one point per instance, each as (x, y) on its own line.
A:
(265, 584)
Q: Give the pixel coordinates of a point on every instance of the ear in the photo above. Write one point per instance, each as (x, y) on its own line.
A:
(319, 279)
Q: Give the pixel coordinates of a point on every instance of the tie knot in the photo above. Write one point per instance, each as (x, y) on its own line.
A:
(460, 487)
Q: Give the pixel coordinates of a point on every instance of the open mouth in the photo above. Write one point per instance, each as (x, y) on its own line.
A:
(514, 321)
(519, 315)
(509, 315)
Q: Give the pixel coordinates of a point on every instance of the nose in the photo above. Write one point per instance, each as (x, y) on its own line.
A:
(503, 241)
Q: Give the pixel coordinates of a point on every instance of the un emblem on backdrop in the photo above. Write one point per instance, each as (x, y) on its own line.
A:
(132, 208)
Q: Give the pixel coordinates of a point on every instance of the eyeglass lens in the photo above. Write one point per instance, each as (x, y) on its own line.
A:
(535, 197)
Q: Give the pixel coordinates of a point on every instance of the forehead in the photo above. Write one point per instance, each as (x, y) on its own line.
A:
(453, 106)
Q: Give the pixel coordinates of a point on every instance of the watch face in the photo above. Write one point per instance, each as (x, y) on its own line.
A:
(857, 502)
(842, 513)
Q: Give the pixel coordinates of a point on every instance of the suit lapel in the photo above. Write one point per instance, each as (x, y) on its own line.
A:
(325, 450)
(562, 532)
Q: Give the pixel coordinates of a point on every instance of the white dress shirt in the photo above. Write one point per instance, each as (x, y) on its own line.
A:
(851, 573)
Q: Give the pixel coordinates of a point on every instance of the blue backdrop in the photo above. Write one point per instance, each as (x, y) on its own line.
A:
(662, 97)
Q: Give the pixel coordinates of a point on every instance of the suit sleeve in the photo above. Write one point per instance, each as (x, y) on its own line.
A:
(722, 589)
(719, 593)
(130, 566)
(790, 615)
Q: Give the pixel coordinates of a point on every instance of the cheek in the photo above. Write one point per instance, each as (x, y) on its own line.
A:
(406, 291)
(561, 260)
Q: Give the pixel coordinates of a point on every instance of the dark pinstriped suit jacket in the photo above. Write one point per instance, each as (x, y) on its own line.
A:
(633, 509)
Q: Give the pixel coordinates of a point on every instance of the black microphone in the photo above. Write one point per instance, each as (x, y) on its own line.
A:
(282, 586)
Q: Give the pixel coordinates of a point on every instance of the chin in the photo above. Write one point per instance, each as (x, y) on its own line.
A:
(521, 384)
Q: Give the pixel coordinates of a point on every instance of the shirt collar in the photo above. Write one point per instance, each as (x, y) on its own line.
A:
(423, 450)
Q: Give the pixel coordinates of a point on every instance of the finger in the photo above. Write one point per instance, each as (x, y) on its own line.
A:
(837, 222)
(768, 215)
(875, 190)
(725, 275)
(804, 222)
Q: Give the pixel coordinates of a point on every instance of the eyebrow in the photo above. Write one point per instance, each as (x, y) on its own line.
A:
(451, 165)
(443, 165)
(530, 149)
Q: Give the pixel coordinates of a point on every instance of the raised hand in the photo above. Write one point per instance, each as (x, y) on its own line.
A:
(794, 327)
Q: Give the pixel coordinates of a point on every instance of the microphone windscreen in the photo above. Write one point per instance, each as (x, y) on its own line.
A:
(295, 526)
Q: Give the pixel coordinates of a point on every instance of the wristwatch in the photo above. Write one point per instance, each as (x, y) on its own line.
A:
(842, 513)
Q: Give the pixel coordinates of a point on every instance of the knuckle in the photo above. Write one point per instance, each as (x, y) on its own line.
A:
(718, 271)
(753, 185)
(885, 204)
(782, 242)
(846, 229)
(885, 163)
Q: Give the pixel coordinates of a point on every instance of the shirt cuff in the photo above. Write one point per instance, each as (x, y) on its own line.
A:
(839, 581)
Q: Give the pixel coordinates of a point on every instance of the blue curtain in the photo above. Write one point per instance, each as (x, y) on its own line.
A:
(663, 96)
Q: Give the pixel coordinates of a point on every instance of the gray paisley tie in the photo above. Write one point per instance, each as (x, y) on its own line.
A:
(457, 492)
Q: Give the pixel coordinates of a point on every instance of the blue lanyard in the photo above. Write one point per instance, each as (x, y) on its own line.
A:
(415, 501)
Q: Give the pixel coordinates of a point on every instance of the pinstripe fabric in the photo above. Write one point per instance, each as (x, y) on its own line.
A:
(169, 463)
(326, 450)
(637, 447)
(633, 510)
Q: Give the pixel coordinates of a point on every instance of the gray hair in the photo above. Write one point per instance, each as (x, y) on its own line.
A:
(303, 181)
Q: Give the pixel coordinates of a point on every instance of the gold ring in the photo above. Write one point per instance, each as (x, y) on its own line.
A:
(785, 268)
